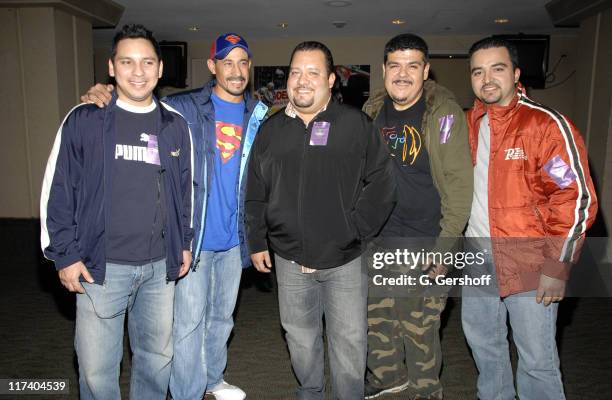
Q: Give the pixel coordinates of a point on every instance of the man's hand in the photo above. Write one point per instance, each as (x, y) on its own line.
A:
(261, 261)
(70, 275)
(437, 270)
(186, 264)
(100, 95)
(434, 270)
(550, 290)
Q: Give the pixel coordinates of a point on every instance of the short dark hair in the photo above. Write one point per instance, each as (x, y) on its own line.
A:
(492, 42)
(311, 46)
(134, 31)
(407, 41)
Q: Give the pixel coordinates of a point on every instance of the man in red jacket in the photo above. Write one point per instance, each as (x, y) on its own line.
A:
(533, 201)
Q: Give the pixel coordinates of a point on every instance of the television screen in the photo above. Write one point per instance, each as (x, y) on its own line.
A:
(533, 58)
(174, 55)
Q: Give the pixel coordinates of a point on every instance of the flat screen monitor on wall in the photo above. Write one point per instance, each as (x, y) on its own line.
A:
(533, 53)
(174, 55)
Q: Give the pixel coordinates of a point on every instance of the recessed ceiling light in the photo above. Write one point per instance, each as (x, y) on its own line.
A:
(283, 25)
(193, 28)
(338, 3)
(398, 22)
(501, 20)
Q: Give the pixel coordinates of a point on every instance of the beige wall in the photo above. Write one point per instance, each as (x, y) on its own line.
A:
(14, 160)
(452, 73)
(46, 60)
(101, 56)
(560, 97)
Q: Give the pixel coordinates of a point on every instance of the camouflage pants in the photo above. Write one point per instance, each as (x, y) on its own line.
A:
(404, 344)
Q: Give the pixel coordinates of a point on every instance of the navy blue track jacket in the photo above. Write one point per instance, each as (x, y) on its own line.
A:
(76, 188)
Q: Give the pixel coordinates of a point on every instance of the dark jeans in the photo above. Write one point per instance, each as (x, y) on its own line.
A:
(341, 295)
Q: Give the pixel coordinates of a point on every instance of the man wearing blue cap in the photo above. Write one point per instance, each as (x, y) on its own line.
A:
(224, 120)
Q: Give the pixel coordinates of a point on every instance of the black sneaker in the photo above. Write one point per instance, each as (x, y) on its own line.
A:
(372, 392)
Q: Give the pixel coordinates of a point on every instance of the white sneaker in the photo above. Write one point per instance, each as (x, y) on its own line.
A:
(225, 391)
(372, 392)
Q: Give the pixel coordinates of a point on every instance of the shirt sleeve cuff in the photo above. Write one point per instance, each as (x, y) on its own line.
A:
(66, 261)
(556, 269)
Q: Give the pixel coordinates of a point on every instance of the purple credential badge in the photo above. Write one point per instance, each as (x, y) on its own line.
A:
(560, 172)
(446, 124)
(152, 154)
(319, 134)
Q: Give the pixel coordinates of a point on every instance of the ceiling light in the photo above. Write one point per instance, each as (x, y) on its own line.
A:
(338, 3)
(398, 22)
(193, 28)
(501, 20)
(283, 25)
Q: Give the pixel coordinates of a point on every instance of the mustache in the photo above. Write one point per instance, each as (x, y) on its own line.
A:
(490, 85)
(303, 87)
(403, 81)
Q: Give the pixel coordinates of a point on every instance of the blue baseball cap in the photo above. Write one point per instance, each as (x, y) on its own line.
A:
(226, 43)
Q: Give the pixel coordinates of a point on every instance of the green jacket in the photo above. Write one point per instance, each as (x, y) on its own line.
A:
(450, 162)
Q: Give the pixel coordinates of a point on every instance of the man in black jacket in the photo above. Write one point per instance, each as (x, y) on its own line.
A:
(319, 186)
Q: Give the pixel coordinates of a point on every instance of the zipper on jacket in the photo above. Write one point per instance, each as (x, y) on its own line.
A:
(194, 264)
(158, 210)
(301, 191)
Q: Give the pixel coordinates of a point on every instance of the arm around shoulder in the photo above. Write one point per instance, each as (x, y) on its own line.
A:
(99, 94)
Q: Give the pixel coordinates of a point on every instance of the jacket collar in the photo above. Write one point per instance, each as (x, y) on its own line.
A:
(330, 109)
(291, 112)
(436, 95)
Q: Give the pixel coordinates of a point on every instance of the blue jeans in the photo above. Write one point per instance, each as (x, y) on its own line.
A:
(204, 304)
(484, 315)
(341, 295)
(147, 297)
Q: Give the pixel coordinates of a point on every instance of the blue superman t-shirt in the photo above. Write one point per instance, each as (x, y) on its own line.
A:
(221, 225)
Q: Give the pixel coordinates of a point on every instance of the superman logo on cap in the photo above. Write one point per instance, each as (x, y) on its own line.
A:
(233, 39)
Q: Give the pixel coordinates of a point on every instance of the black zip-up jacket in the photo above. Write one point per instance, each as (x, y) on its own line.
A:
(318, 205)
